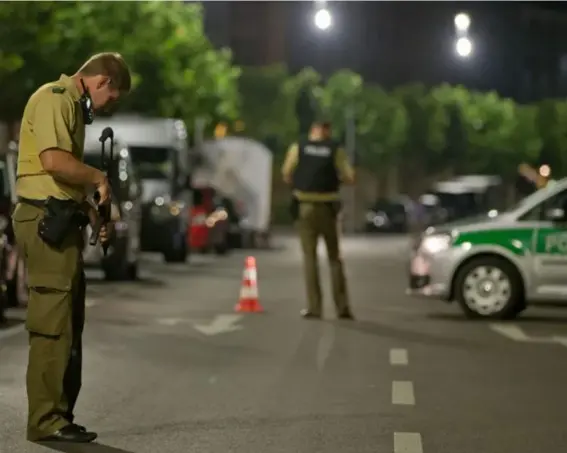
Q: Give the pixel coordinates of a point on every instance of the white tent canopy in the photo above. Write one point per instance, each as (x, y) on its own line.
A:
(239, 168)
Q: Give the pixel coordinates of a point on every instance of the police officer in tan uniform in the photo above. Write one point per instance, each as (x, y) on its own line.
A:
(315, 168)
(52, 182)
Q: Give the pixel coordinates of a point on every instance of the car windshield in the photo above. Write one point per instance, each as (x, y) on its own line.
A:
(461, 203)
(153, 162)
(533, 198)
(389, 207)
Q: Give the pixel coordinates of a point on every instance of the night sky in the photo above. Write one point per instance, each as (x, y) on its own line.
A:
(394, 43)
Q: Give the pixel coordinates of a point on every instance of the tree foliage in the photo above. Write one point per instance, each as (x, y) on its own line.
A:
(427, 128)
(177, 71)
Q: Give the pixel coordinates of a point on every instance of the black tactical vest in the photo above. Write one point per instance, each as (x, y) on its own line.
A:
(316, 170)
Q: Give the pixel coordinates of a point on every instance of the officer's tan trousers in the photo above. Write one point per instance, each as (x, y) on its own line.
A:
(320, 220)
(55, 320)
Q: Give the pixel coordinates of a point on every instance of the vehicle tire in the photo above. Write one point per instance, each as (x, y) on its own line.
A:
(489, 288)
(235, 240)
(116, 271)
(11, 293)
(176, 255)
(132, 271)
(222, 248)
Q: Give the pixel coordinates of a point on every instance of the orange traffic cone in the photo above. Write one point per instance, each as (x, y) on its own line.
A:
(248, 301)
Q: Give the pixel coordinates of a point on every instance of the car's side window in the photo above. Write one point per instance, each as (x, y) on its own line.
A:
(532, 215)
(538, 212)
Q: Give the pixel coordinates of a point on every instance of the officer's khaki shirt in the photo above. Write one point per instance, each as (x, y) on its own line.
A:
(52, 120)
(345, 171)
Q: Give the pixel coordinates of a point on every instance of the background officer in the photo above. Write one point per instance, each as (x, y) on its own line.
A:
(50, 164)
(315, 168)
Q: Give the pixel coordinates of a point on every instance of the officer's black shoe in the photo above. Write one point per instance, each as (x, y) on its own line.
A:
(81, 428)
(71, 433)
(70, 419)
(346, 315)
(310, 315)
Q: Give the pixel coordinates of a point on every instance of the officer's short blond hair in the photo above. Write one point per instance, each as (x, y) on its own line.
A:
(110, 64)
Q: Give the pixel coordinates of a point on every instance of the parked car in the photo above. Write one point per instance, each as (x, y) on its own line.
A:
(234, 217)
(123, 256)
(462, 197)
(4, 250)
(387, 215)
(160, 153)
(497, 263)
(211, 222)
(13, 276)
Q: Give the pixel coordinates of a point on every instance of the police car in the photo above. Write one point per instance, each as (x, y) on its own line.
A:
(495, 264)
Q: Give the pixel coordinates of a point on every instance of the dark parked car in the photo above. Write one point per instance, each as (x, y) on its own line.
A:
(13, 281)
(122, 260)
(387, 216)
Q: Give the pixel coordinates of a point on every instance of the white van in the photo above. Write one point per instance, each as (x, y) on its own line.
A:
(160, 154)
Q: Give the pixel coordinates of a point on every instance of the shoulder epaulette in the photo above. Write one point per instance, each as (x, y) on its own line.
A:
(58, 90)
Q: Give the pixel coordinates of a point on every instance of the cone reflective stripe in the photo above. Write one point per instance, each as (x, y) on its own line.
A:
(248, 300)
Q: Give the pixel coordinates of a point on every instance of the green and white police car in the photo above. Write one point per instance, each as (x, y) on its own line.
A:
(495, 264)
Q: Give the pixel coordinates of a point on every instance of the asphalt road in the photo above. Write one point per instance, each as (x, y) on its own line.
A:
(169, 367)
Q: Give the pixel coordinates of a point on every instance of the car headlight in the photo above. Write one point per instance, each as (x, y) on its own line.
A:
(163, 206)
(436, 243)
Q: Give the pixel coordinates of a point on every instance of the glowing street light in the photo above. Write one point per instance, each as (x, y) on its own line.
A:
(462, 22)
(323, 19)
(464, 47)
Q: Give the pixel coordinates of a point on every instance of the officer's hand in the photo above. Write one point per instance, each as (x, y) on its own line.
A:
(103, 189)
(106, 232)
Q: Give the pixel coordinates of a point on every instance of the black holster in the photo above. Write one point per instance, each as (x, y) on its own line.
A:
(60, 219)
(335, 206)
(294, 208)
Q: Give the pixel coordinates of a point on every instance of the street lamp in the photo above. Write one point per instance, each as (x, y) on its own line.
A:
(323, 19)
(462, 22)
(464, 47)
(463, 43)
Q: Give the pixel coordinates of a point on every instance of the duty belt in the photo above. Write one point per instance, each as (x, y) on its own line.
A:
(41, 203)
(36, 203)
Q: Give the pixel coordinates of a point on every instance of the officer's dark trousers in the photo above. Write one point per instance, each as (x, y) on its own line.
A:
(55, 320)
(317, 220)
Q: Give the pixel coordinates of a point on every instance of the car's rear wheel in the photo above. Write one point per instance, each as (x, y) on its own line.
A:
(489, 287)
(222, 248)
(116, 270)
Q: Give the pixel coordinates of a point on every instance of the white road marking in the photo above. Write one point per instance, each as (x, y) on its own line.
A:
(398, 357)
(90, 302)
(220, 324)
(169, 321)
(324, 347)
(510, 331)
(407, 443)
(516, 333)
(561, 340)
(402, 393)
